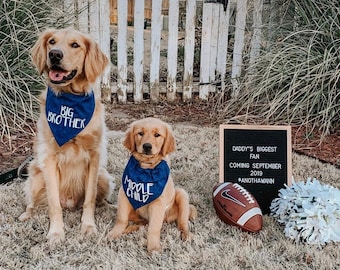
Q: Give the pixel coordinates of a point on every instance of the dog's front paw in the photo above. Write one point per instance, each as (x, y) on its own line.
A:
(118, 229)
(113, 234)
(25, 216)
(88, 229)
(154, 247)
(186, 236)
(55, 237)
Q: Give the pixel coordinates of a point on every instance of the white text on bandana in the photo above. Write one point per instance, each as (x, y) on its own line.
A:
(142, 186)
(68, 114)
(66, 118)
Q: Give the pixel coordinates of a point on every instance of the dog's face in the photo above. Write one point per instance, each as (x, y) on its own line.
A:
(150, 137)
(68, 56)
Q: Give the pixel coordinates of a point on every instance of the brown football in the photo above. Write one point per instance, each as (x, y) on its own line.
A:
(235, 205)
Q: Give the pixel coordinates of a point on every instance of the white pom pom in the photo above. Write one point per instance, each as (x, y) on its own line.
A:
(310, 212)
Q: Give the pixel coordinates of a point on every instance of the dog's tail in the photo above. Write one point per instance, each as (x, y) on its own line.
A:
(106, 186)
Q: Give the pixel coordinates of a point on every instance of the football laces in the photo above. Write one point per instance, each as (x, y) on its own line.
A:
(245, 193)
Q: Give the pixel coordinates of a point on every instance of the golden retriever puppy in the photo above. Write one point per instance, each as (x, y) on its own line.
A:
(68, 169)
(148, 194)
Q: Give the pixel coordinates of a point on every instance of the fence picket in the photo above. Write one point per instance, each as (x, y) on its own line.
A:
(172, 49)
(213, 45)
(222, 47)
(122, 51)
(205, 51)
(104, 43)
(138, 49)
(156, 27)
(189, 49)
(240, 25)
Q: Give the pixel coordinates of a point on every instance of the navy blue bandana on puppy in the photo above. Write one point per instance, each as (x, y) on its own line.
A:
(68, 114)
(142, 186)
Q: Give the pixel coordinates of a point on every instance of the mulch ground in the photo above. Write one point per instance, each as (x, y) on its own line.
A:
(326, 149)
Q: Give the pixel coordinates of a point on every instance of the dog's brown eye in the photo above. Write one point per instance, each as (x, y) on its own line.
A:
(75, 45)
(157, 135)
(141, 133)
(51, 41)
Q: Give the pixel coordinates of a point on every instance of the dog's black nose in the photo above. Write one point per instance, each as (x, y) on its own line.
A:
(55, 56)
(147, 148)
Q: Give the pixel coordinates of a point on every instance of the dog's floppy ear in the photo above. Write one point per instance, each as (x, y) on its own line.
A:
(169, 142)
(39, 49)
(95, 60)
(129, 141)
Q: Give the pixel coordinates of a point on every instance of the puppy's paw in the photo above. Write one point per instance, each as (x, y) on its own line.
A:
(88, 229)
(25, 216)
(118, 229)
(113, 234)
(154, 247)
(55, 237)
(186, 236)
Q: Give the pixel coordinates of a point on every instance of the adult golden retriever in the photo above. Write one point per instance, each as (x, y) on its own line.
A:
(68, 169)
(148, 193)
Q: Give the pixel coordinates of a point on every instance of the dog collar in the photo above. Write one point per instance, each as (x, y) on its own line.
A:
(142, 186)
(68, 114)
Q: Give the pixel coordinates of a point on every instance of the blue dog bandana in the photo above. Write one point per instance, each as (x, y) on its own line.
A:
(142, 186)
(68, 114)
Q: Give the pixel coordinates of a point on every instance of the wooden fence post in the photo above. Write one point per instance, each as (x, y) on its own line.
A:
(240, 25)
(138, 51)
(122, 51)
(104, 43)
(204, 88)
(222, 45)
(213, 45)
(189, 51)
(172, 50)
(156, 27)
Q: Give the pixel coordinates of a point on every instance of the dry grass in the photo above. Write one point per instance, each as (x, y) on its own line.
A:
(215, 245)
(20, 23)
(297, 80)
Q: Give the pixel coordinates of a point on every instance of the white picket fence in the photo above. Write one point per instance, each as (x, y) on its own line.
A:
(213, 52)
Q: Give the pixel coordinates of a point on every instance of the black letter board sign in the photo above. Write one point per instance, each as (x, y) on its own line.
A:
(259, 158)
